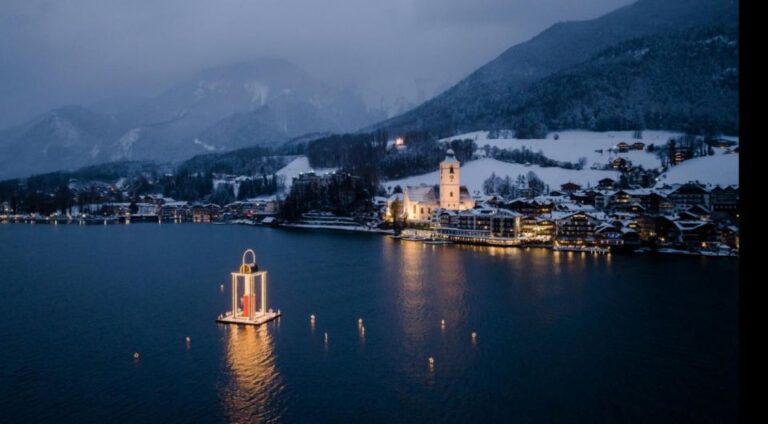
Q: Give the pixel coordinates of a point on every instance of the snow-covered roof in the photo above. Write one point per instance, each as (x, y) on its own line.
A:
(490, 212)
(176, 203)
(450, 156)
(421, 193)
(688, 225)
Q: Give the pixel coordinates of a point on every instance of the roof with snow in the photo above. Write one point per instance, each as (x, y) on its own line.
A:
(450, 156)
(421, 193)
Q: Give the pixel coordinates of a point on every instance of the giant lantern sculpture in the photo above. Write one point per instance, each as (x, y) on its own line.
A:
(251, 306)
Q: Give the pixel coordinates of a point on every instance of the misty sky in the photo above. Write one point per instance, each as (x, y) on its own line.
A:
(55, 52)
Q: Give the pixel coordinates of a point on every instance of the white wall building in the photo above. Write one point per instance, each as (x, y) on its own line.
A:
(420, 202)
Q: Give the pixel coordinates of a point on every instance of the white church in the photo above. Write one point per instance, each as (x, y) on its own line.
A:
(419, 202)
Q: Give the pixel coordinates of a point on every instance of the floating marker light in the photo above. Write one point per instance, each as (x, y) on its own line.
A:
(188, 339)
(431, 361)
(474, 336)
(326, 337)
(135, 355)
(442, 323)
(359, 321)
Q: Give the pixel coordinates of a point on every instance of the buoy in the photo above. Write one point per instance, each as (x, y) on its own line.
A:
(431, 361)
(360, 321)
(221, 287)
(442, 323)
(312, 318)
(474, 336)
(188, 339)
(326, 337)
(135, 355)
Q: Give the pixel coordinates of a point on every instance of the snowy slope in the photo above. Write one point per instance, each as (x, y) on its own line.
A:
(473, 174)
(298, 166)
(717, 170)
(574, 144)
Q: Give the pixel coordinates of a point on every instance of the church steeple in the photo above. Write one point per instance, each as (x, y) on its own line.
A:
(450, 193)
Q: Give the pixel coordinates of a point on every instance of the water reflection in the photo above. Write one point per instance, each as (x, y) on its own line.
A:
(431, 286)
(254, 390)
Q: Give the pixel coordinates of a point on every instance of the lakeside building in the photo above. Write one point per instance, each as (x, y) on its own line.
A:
(420, 202)
(208, 212)
(680, 217)
(175, 211)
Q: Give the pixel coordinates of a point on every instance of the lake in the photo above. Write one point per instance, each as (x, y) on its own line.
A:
(560, 336)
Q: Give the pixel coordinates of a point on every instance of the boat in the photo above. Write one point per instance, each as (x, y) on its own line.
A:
(413, 238)
(587, 249)
(437, 241)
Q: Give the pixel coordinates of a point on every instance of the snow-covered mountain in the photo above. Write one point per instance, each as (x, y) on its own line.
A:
(64, 138)
(645, 65)
(264, 101)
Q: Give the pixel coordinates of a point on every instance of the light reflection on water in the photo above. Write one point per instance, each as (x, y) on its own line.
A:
(255, 390)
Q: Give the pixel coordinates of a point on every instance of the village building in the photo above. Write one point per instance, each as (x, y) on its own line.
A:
(208, 212)
(175, 211)
(569, 187)
(689, 194)
(694, 234)
(729, 235)
(489, 226)
(575, 227)
(606, 184)
(725, 202)
(530, 207)
(584, 197)
(620, 163)
(481, 222)
(420, 202)
(537, 228)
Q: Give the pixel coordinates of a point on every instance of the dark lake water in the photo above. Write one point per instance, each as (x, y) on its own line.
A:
(560, 336)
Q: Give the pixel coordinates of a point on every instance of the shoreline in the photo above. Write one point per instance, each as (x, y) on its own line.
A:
(382, 232)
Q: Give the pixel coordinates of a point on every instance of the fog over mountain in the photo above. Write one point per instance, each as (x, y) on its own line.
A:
(260, 102)
(395, 54)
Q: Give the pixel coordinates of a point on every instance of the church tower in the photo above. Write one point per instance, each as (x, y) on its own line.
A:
(450, 193)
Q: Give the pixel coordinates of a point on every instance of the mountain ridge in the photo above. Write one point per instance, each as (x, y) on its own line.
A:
(262, 101)
(559, 47)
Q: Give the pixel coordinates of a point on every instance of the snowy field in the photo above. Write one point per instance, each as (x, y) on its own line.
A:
(473, 174)
(574, 144)
(298, 166)
(719, 169)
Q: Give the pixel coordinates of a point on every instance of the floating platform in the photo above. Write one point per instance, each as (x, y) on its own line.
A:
(258, 319)
(254, 309)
